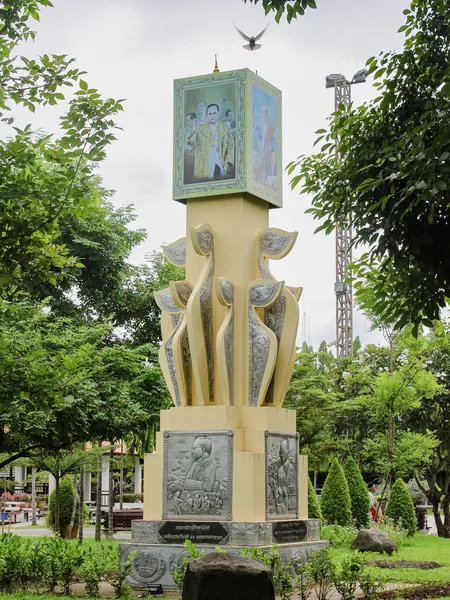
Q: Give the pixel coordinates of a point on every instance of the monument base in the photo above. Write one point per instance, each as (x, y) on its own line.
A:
(159, 545)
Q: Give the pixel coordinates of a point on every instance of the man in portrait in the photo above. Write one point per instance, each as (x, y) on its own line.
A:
(191, 118)
(202, 473)
(230, 120)
(213, 145)
(201, 112)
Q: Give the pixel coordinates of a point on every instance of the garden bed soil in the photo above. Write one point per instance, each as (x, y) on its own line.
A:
(403, 564)
(419, 592)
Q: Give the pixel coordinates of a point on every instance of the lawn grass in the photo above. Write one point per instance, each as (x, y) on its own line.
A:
(419, 548)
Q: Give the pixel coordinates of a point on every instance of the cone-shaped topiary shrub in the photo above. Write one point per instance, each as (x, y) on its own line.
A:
(335, 498)
(401, 508)
(66, 492)
(314, 511)
(359, 495)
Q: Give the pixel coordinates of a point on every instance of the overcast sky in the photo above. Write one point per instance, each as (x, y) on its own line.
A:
(134, 49)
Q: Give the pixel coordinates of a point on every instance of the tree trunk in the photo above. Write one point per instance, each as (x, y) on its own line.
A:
(68, 532)
(81, 508)
(443, 527)
(111, 493)
(121, 477)
(98, 506)
(56, 501)
(33, 496)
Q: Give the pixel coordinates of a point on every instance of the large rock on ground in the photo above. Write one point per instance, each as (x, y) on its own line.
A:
(373, 540)
(217, 576)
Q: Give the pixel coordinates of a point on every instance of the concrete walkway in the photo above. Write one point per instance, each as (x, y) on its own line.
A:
(27, 530)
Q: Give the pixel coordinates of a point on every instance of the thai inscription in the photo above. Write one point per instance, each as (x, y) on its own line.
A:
(286, 532)
(198, 474)
(176, 532)
(281, 475)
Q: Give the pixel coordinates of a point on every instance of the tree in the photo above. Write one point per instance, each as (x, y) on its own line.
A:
(359, 496)
(314, 511)
(401, 508)
(433, 414)
(392, 177)
(335, 497)
(42, 180)
(293, 8)
(63, 382)
(311, 394)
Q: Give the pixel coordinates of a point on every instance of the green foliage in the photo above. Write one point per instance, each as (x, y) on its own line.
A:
(133, 497)
(117, 578)
(282, 570)
(314, 511)
(339, 536)
(322, 570)
(348, 574)
(293, 8)
(396, 532)
(401, 508)
(335, 497)
(29, 563)
(93, 568)
(359, 495)
(312, 395)
(392, 177)
(66, 493)
(64, 382)
(70, 560)
(178, 570)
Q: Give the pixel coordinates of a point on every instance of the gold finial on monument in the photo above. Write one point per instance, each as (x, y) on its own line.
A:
(216, 66)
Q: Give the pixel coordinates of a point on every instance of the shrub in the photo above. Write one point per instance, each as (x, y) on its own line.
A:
(322, 570)
(133, 497)
(66, 492)
(335, 498)
(359, 496)
(282, 570)
(395, 532)
(400, 508)
(314, 511)
(338, 535)
(347, 575)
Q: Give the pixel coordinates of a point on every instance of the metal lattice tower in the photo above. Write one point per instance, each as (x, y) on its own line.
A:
(343, 291)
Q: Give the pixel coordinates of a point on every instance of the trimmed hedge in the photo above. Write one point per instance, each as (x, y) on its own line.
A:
(66, 492)
(314, 511)
(129, 497)
(335, 498)
(359, 495)
(400, 507)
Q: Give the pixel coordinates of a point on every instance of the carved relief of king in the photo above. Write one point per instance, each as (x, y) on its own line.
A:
(282, 475)
(197, 469)
(202, 474)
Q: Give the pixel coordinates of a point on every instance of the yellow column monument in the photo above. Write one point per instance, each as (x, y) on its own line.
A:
(226, 471)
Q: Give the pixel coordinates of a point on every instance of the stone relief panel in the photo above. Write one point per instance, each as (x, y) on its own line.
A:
(166, 303)
(262, 343)
(200, 315)
(198, 475)
(282, 316)
(181, 292)
(281, 475)
(176, 252)
(225, 340)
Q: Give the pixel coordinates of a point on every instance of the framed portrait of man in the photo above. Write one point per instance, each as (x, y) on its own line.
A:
(209, 141)
(227, 137)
